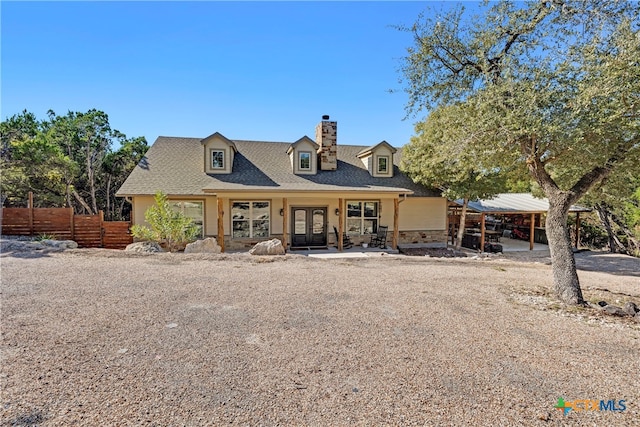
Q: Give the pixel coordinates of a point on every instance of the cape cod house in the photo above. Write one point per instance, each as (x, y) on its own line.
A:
(243, 192)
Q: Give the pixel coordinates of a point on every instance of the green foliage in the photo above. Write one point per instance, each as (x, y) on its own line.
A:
(443, 155)
(45, 236)
(67, 161)
(591, 234)
(167, 226)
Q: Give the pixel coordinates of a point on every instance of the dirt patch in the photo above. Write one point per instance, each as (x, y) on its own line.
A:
(97, 338)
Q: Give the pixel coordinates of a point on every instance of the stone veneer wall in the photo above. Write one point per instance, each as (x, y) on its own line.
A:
(425, 237)
(245, 244)
(327, 139)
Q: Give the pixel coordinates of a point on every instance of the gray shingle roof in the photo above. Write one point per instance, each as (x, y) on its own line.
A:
(176, 167)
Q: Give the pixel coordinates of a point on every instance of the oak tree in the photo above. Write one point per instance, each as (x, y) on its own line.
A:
(556, 88)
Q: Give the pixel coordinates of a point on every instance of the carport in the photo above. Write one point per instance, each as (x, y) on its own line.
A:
(525, 212)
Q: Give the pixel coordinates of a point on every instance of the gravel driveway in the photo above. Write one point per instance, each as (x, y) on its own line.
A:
(94, 337)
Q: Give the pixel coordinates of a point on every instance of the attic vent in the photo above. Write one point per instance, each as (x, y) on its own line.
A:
(325, 117)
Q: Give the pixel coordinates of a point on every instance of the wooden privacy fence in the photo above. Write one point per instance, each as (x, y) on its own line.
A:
(89, 231)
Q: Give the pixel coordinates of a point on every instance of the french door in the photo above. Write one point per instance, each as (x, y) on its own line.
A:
(308, 227)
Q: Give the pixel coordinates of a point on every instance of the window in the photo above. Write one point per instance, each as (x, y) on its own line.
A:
(250, 219)
(217, 159)
(191, 209)
(305, 160)
(383, 164)
(362, 217)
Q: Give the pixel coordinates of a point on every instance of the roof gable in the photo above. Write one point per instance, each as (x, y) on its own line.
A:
(219, 136)
(304, 140)
(370, 150)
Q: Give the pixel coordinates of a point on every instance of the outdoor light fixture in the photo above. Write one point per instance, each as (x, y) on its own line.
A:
(338, 211)
(281, 212)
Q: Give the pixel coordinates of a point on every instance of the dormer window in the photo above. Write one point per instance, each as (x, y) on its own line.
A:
(378, 159)
(302, 155)
(383, 164)
(217, 159)
(304, 158)
(218, 154)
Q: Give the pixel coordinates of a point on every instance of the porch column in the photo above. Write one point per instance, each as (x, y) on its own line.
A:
(531, 230)
(577, 229)
(482, 222)
(285, 222)
(340, 225)
(396, 232)
(221, 223)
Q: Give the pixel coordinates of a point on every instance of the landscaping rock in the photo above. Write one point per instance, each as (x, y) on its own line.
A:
(630, 308)
(204, 246)
(637, 317)
(614, 310)
(144, 247)
(270, 247)
(60, 244)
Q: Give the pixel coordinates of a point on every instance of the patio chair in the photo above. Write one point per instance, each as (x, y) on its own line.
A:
(346, 240)
(379, 239)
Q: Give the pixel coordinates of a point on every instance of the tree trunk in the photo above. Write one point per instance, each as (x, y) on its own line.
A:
(563, 263)
(92, 183)
(463, 218)
(615, 245)
(68, 195)
(109, 213)
(565, 276)
(633, 245)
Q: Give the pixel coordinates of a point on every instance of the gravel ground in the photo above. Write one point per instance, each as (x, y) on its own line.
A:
(97, 337)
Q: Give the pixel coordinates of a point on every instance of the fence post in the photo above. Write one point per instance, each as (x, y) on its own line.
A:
(30, 205)
(72, 224)
(101, 229)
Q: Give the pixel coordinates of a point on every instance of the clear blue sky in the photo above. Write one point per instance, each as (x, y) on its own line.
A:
(249, 70)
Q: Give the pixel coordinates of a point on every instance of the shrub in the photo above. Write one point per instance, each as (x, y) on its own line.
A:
(168, 227)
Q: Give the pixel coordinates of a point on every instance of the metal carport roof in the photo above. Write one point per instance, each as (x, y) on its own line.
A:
(514, 203)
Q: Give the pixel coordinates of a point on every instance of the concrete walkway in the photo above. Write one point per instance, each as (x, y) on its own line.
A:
(353, 252)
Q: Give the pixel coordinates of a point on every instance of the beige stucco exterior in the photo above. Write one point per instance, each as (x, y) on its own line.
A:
(423, 213)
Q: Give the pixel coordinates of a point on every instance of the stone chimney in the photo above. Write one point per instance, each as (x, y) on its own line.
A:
(327, 139)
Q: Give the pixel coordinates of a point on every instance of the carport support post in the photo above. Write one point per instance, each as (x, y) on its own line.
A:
(221, 223)
(482, 219)
(577, 229)
(285, 217)
(531, 230)
(396, 209)
(340, 226)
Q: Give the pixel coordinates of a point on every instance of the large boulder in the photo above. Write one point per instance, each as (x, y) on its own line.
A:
(204, 246)
(270, 247)
(144, 247)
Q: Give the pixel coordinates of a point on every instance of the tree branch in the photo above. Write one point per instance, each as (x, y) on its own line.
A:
(80, 200)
